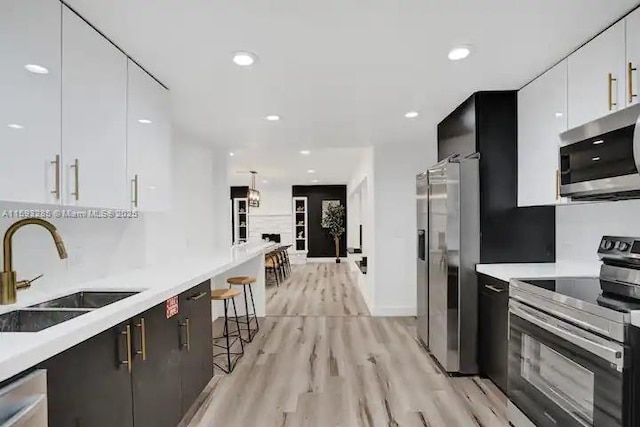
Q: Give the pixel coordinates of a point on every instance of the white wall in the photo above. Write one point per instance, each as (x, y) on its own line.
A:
(101, 247)
(273, 215)
(580, 227)
(395, 169)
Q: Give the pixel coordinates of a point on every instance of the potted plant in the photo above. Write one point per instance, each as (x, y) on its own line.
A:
(333, 220)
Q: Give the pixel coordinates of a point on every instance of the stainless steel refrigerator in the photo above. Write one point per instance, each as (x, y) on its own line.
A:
(448, 252)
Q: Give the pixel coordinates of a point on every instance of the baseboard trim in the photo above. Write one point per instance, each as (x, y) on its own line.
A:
(309, 259)
(394, 311)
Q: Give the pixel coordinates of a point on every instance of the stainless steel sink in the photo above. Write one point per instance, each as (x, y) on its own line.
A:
(85, 300)
(35, 320)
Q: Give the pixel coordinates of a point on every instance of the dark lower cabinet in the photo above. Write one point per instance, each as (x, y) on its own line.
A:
(156, 369)
(89, 385)
(493, 329)
(146, 372)
(196, 367)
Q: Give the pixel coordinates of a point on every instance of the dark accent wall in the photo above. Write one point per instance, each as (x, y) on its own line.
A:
(320, 241)
(487, 122)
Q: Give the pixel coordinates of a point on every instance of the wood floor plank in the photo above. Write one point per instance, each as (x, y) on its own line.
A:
(319, 360)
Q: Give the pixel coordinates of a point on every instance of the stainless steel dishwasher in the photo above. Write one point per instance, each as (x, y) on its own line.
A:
(23, 403)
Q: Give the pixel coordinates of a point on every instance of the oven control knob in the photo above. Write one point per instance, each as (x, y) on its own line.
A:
(623, 246)
(607, 245)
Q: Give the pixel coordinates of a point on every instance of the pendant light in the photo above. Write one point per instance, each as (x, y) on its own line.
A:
(253, 195)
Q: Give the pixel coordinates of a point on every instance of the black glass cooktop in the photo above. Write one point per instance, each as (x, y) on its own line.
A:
(586, 289)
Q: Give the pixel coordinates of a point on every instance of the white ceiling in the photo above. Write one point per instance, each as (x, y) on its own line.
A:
(339, 72)
(284, 166)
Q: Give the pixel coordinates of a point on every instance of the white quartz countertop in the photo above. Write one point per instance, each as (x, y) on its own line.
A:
(20, 351)
(506, 272)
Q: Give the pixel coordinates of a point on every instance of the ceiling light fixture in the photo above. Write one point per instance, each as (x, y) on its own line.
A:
(264, 181)
(253, 195)
(598, 142)
(305, 152)
(311, 171)
(244, 59)
(232, 154)
(36, 69)
(595, 159)
(15, 126)
(315, 181)
(558, 115)
(459, 53)
(273, 118)
(412, 114)
(144, 121)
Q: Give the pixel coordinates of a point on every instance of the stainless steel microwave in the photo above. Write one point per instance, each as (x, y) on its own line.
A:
(601, 159)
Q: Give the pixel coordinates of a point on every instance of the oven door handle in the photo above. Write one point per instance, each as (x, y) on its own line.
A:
(612, 353)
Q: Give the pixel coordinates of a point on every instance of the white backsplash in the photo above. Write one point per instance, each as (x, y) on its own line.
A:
(198, 222)
(579, 228)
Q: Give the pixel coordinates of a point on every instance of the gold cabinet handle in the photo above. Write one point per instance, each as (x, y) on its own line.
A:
(611, 103)
(134, 200)
(128, 362)
(76, 173)
(198, 296)
(143, 339)
(494, 289)
(630, 70)
(186, 324)
(56, 190)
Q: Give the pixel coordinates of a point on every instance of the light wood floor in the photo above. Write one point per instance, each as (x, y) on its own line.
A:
(341, 370)
(317, 289)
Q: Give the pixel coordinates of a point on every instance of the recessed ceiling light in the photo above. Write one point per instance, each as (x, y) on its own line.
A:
(598, 142)
(15, 126)
(273, 118)
(595, 159)
(559, 115)
(36, 69)
(264, 181)
(244, 59)
(311, 171)
(459, 53)
(144, 121)
(232, 154)
(315, 181)
(412, 114)
(305, 152)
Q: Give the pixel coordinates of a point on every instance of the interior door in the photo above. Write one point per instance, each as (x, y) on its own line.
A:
(422, 211)
(443, 263)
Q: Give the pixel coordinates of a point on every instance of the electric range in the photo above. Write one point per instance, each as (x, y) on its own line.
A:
(571, 362)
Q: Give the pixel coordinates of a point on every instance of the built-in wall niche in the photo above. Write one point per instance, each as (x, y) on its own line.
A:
(300, 224)
(241, 220)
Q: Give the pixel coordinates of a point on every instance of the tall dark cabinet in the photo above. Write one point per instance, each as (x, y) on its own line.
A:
(487, 123)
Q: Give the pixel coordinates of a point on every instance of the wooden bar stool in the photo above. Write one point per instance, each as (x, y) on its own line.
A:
(246, 281)
(271, 265)
(225, 295)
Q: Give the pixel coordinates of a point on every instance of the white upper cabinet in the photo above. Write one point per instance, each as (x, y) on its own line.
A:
(597, 77)
(148, 142)
(30, 72)
(94, 118)
(542, 116)
(632, 88)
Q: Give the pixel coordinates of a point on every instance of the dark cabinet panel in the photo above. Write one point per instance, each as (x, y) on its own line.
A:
(156, 369)
(493, 329)
(88, 385)
(196, 367)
